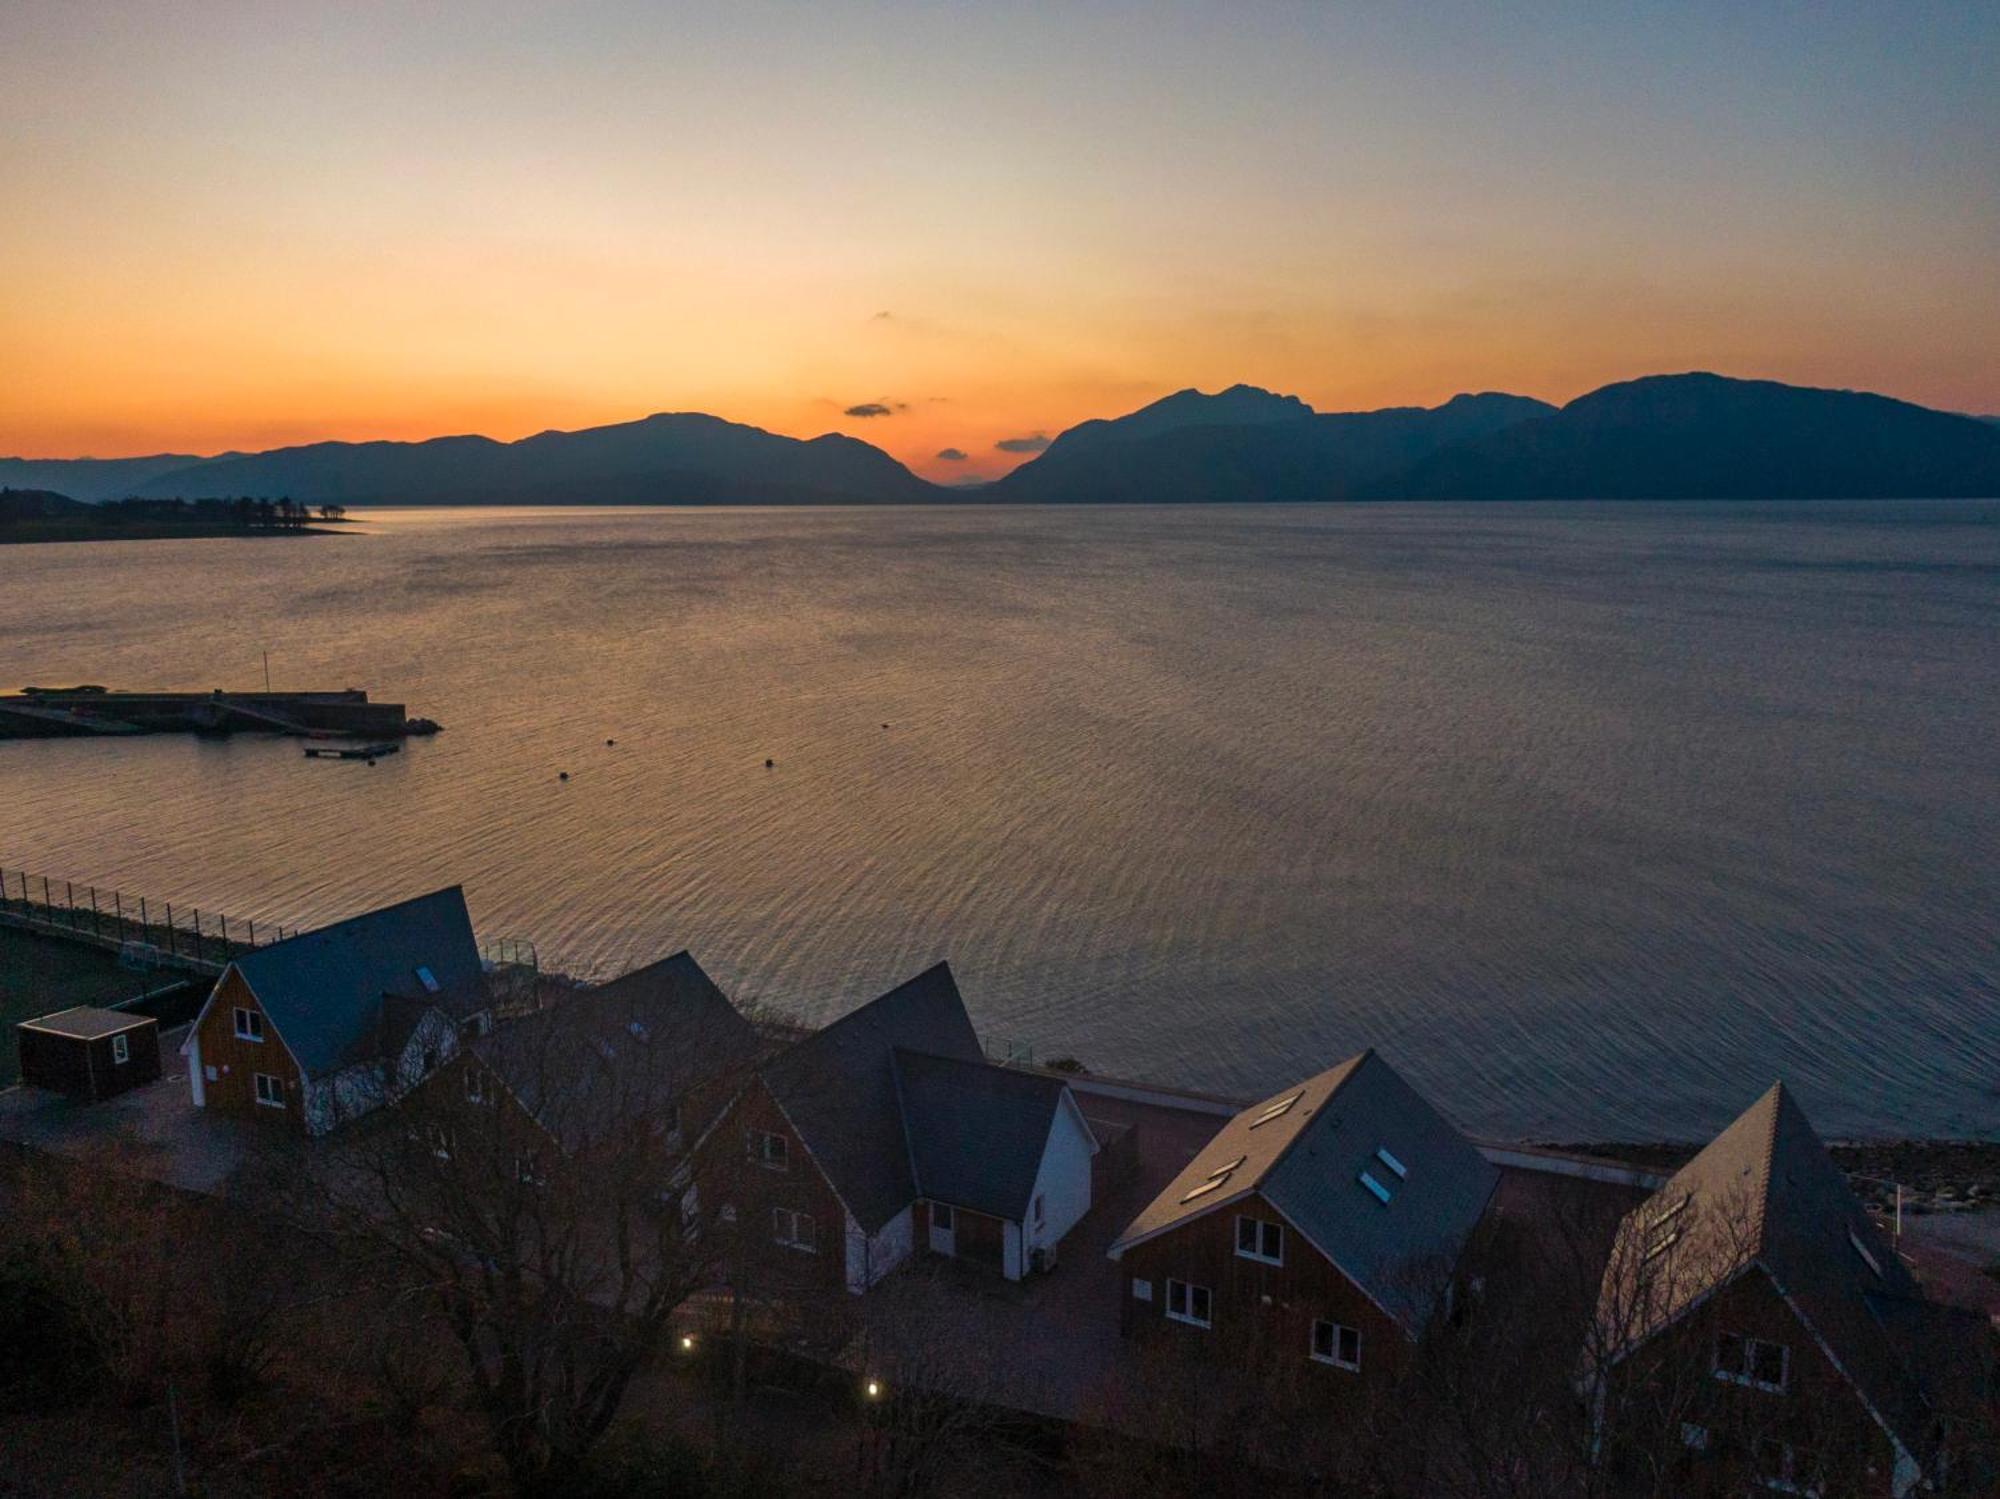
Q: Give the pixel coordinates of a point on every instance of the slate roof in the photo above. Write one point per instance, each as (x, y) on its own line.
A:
(976, 1131)
(838, 1087)
(1305, 1149)
(620, 1051)
(1764, 1193)
(325, 989)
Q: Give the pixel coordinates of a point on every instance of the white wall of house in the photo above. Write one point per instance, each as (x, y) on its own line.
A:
(194, 1070)
(1063, 1180)
(872, 1256)
(436, 1035)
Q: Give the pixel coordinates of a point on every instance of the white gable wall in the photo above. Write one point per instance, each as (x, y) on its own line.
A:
(872, 1256)
(1062, 1182)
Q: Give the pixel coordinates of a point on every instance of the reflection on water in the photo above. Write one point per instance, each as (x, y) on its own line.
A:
(1594, 820)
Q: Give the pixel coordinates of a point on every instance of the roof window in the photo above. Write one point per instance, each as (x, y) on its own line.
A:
(1216, 1178)
(1380, 1192)
(427, 979)
(1277, 1110)
(1382, 1155)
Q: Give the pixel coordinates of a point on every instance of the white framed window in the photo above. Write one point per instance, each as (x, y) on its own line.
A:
(121, 1049)
(208, 1072)
(270, 1090)
(1142, 1290)
(1190, 1304)
(249, 1025)
(772, 1152)
(1038, 1210)
(1336, 1343)
(942, 1217)
(1260, 1239)
(793, 1229)
(1752, 1361)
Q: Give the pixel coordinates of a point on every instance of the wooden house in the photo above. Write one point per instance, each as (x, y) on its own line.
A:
(888, 1134)
(89, 1053)
(1753, 1309)
(328, 1025)
(1318, 1230)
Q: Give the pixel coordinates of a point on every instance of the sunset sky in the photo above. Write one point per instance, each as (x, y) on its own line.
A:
(243, 225)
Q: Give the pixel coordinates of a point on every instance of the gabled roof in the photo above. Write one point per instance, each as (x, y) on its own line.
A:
(1764, 1193)
(977, 1132)
(620, 1051)
(1306, 1151)
(325, 989)
(838, 1089)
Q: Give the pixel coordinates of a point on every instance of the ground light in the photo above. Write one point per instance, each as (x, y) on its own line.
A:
(687, 1342)
(874, 1389)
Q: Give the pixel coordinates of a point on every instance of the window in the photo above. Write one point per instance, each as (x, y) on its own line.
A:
(1375, 1188)
(528, 1170)
(270, 1090)
(1783, 1467)
(1038, 1210)
(691, 1213)
(1752, 1361)
(121, 1052)
(1258, 1240)
(249, 1025)
(1189, 1304)
(1337, 1344)
(772, 1152)
(1142, 1290)
(638, 1030)
(209, 1072)
(475, 1086)
(430, 1060)
(1277, 1110)
(1215, 1179)
(428, 980)
(439, 1141)
(1382, 1155)
(942, 1216)
(792, 1229)
(1694, 1437)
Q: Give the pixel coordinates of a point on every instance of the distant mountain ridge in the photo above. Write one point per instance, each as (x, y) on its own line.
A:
(1195, 449)
(672, 458)
(1688, 436)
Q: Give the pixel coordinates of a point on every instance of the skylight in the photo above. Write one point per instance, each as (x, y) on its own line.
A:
(638, 1029)
(1216, 1178)
(1381, 1192)
(428, 980)
(1667, 1214)
(1382, 1155)
(1663, 1245)
(1282, 1106)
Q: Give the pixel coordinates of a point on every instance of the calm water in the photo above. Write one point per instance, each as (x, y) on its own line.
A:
(1594, 820)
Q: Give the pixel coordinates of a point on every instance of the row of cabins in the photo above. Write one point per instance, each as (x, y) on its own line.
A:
(1327, 1226)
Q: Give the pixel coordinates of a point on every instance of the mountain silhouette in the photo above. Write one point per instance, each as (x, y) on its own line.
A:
(672, 458)
(1247, 445)
(1703, 436)
(1693, 436)
(90, 478)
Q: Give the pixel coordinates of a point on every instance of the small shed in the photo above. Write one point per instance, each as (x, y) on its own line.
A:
(89, 1053)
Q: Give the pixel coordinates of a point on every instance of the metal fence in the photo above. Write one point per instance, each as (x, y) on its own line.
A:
(145, 933)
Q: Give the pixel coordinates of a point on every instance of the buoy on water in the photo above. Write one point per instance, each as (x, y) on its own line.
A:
(768, 764)
(562, 775)
(609, 742)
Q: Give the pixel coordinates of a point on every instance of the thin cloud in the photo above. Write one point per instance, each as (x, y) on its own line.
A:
(871, 408)
(1034, 444)
(951, 455)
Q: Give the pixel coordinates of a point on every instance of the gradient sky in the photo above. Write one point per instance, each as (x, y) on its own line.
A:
(241, 225)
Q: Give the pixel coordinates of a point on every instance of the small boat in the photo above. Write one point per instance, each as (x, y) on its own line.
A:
(364, 752)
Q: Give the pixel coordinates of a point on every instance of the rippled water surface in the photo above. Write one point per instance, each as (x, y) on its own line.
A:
(1592, 819)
